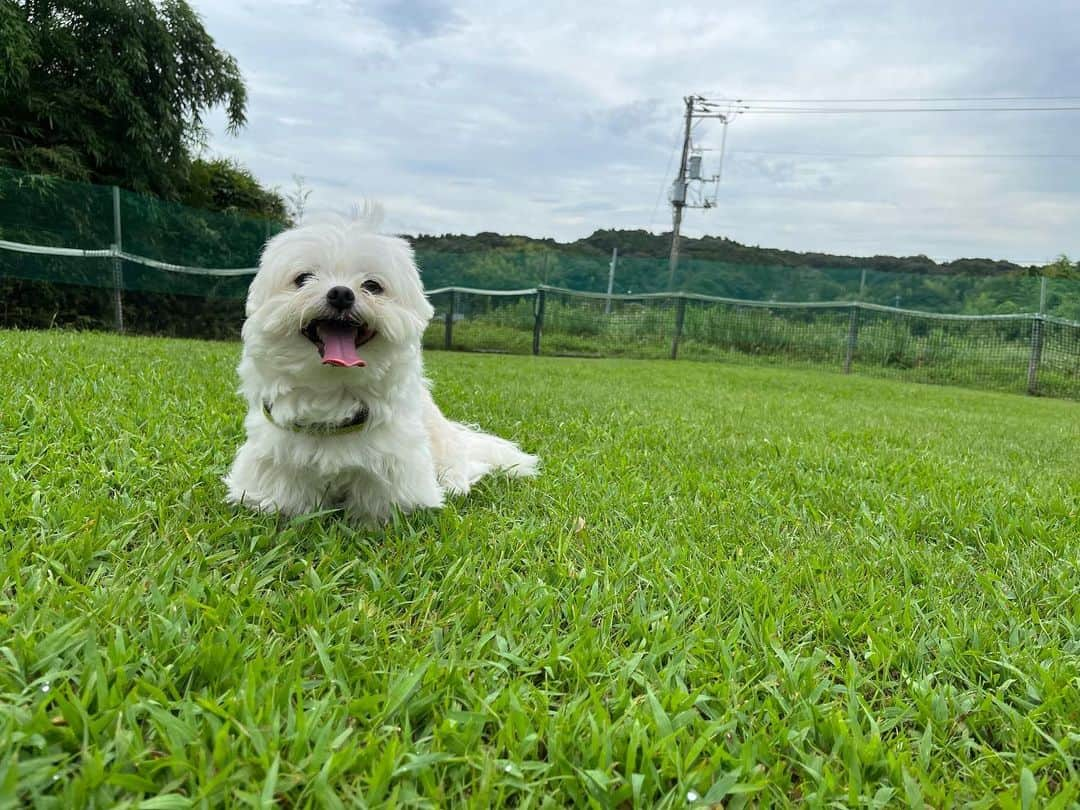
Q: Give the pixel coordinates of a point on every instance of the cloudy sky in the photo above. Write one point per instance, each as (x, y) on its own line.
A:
(554, 119)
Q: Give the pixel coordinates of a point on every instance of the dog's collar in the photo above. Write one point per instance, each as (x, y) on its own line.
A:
(353, 424)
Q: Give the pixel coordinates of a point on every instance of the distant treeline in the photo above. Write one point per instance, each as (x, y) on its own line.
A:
(646, 245)
(722, 267)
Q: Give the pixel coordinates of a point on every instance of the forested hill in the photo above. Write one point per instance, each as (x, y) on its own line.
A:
(709, 264)
(643, 244)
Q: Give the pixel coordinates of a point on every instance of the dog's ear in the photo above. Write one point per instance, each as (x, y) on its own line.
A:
(254, 290)
(415, 297)
(267, 265)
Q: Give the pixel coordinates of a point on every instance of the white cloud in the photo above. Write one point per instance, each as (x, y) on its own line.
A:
(558, 119)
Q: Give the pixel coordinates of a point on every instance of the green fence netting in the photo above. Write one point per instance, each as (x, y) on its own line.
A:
(925, 292)
(50, 228)
(94, 257)
(1018, 352)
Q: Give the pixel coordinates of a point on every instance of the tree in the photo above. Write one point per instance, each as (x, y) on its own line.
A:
(110, 91)
(1062, 267)
(225, 185)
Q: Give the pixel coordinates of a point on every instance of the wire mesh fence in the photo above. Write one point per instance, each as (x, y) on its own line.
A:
(1023, 352)
(482, 321)
(76, 254)
(1007, 291)
(91, 257)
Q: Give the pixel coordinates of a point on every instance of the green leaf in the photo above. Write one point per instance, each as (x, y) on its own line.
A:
(660, 717)
(266, 798)
(172, 801)
(722, 787)
(402, 689)
(913, 792)
(926, 743)
(1028, 788)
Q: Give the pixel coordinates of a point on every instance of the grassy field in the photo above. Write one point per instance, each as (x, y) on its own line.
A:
(734, 586)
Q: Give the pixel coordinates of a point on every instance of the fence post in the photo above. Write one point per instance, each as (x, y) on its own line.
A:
(852, 338)
(680, 316)
(611, 278)
(1037, 342)
(448, 337)
(538, 321)
(118, 264)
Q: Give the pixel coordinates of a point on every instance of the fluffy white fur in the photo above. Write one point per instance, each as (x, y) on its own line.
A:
(408, 455)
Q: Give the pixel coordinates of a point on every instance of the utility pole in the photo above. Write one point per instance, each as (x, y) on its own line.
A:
(678, 196)
(611, 278)
(697, 107)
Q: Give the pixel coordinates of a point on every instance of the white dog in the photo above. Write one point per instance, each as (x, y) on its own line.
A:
(339, 413)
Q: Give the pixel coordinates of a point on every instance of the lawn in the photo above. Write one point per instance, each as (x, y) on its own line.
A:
(731, 585)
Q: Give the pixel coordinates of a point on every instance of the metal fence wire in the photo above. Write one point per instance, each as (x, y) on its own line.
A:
(1024, 352)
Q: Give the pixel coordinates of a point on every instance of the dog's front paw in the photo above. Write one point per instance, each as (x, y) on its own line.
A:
(250, 486)
(257, 501)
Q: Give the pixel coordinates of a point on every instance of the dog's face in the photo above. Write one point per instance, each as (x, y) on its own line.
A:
(335, 295)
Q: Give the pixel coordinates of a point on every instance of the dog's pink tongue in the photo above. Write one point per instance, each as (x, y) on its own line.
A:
(339, 344)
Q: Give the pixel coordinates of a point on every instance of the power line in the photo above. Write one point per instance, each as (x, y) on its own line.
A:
(912, 99)
(664, 181)
(864, 110)
(943, 156)
(727, 109)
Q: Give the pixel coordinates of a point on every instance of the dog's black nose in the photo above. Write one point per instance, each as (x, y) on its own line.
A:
(341, 297)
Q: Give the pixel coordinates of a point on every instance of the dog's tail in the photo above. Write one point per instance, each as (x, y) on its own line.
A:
(464, 454)
(494, 453)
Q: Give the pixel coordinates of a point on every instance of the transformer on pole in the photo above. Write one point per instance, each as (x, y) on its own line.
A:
(691, 187)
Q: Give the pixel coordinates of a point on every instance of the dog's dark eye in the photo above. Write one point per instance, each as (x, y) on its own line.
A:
(372, 286)
(302, 279)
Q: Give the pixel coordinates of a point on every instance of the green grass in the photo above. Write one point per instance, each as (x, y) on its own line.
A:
(758, 586)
